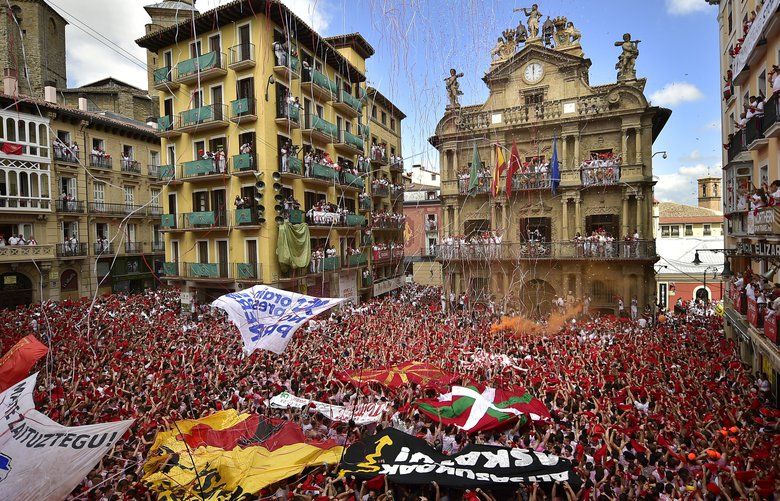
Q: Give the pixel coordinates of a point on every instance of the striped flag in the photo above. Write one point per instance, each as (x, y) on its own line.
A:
(498, 169)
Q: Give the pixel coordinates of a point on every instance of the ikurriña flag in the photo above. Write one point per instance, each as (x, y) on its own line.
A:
(230, 455)
(17, 362)
(474, 409)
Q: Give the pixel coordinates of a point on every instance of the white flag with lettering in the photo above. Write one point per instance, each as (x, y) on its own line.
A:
(268, 317)
(41, 459)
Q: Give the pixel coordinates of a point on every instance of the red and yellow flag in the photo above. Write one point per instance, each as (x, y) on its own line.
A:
(498, 169)
(16, 363)
(228, 453)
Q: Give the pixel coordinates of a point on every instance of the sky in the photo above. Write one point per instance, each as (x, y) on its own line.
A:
(417, 41)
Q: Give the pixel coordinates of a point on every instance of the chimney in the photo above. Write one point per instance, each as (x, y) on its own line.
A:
(50, 94)
(10, 82)
(83, 104)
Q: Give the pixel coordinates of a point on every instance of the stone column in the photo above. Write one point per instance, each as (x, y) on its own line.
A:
(640, 220)
(445, 220)
(565, 162)
(565, 218)
(577, 215)
(638, 139)
(457, 229)
(624, 216)
(576, 160)
(624, 144)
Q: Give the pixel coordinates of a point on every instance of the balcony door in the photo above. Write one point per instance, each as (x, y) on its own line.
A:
(607, 222)
(99, 192)
(216, 101)
(222, 258)
(245, 89)
(200, 201)
(203, 251)
(244, 43)
(537, 229)
(131, 234)
(218, 202)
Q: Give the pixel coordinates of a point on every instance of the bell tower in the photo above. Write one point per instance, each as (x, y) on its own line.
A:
(709, 193)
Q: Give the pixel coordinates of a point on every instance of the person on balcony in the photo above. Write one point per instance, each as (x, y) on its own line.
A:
(13, 240)
(220, 160)
(74, 149)
(742, 122)
(2, 241)
(239, 202)
(245, 149)
(284, 153)
(32, 241)
(280, 51)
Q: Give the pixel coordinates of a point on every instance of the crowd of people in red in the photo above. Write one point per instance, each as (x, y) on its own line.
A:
(662, 412)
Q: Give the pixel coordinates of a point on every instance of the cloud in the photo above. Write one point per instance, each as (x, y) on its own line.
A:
(681, 186)
(314, 12)
(683, 7)
(675, 93)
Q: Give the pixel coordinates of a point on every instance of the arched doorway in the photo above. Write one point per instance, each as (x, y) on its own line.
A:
(15, 290)
(702, 294)
(536, 297)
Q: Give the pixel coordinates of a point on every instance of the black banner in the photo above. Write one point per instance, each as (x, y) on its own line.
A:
(409, 460)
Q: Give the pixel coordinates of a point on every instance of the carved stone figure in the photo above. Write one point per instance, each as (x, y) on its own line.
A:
(453, 88)
(534, 16)
(573, 33)
(626, 65)
(497, 52)
(521, 34)
(548, 29)
(565, 33)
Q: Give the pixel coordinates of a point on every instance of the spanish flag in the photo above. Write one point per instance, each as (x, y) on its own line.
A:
(498, 169)
(230, 454)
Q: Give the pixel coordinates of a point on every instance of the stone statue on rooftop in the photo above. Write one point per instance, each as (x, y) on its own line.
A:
(626, 65)
(534, 16)
(453, 88)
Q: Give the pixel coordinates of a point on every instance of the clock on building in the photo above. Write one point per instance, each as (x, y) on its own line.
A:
(533, 73)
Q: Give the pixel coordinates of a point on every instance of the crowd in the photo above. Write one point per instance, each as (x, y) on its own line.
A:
(602, 168)
(385, 219)
(68, 151)
(218, 159)
(17, 240)
(637, 418)
(378, 152)
(485, 244)
(757, 289)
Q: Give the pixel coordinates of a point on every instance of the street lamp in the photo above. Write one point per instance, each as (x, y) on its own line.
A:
(663, 153)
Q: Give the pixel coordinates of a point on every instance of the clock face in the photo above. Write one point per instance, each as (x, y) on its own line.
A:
(533, 73)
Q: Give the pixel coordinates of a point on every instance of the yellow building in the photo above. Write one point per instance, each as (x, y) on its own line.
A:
(749, 49)
(95, 218)
(539, 92)
(246, 89)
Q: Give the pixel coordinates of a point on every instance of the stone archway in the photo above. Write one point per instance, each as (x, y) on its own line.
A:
(703, 294)
(536, 297)
(16, 289)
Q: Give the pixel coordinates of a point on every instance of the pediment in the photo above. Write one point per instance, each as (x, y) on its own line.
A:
(512, 65)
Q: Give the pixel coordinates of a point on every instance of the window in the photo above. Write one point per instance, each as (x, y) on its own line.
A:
(675, 231)
(707, 230)
(762, 83)
(534, 98)
(384, 118)
(98, 144)
(129, 195)
(665, 231)
(373, 112)
(154, 158)
(763, 175)
(99, 192)
(688, 230)
(101, 231)
(392, 124)
(171, 153)
(195, 49)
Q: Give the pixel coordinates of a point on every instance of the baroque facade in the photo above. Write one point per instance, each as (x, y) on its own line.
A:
(540, 93)
(264, 123)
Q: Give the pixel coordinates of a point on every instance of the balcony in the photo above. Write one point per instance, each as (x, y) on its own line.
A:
(600, 175)
(349, 143)
(242, 110)
(366, 205)
(134, 247)
(643, 250)
(356, 260)
(378, 156)
(330, 263)
(167, 172)
(24, 203)
(531, 181)
(290, 70)
(71, 250)
(353, 181)
(103, 208)
(292, 168)
(387, 224)
(317, 84)
(431, 226)
(771, 119)
(244, 164)
(396, 192)
(100, 248)
(168, 126)
(163, 79)
(397, 165)
(247, 271)
(23, 253)
(201, 69)
(754, 45)
(248, 218)
(482, 187)
(380, 190)
(158, 247)
(242, 57)
(100, 162)
(204, 118)
(130, 166)
(355, 220)
(63, 154)
(69, 206)
(168, 221)
(288, 116)
(324, 173)
(319, 129)
(170, 269)
(737, 145)
(347, 104)
(204, 220)
(207, 270)
(204, 170)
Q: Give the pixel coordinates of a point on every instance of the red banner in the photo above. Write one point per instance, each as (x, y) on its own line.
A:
(752, 311)
(770, 326)
(15, 365)
(381, 255)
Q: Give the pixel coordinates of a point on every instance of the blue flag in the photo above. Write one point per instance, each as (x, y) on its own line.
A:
(556, 169)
